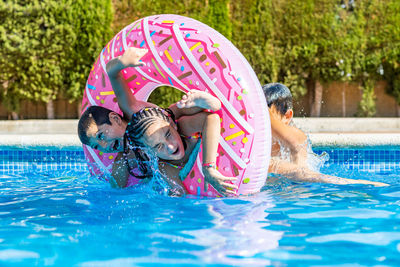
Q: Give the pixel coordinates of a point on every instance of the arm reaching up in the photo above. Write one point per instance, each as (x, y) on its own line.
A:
(126, 100)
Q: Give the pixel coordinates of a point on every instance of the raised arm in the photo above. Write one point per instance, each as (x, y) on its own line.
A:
(126, 100)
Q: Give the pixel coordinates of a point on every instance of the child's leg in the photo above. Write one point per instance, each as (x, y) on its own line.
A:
(299, 173)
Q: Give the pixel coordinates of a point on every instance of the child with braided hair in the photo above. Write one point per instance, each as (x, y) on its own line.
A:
(173, 134)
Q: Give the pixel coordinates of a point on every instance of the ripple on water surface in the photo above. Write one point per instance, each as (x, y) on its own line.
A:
(68, 218)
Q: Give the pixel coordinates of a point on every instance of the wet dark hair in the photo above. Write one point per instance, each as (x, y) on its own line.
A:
(279, 95)
(143, 162)
(93, 114)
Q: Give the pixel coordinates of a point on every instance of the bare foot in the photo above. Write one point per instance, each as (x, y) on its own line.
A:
(378, 184)
(197, 98)
(360, 181)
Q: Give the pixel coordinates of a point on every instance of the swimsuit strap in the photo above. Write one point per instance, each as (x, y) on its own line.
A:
(173, 165)
(184, 172)
(185, 169)
(193, 136)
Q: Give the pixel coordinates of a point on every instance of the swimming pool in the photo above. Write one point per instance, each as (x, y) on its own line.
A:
(53, 213)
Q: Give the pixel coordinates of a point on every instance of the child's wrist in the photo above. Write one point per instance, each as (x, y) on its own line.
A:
(209, 165)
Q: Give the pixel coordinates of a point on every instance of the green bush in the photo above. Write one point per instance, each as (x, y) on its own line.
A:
(377, 35)
(34, 49)
(47, 47)
(91, 20)
(367, 106)
(127, 11)
(389, 36)
(218, 16)
(254, 34)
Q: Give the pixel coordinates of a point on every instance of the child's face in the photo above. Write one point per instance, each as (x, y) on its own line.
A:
(108, 138)
(164, 140)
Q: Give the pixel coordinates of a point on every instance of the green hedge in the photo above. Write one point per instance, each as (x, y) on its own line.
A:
(47, 47)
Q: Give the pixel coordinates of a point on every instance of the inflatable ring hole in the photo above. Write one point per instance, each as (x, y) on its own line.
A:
(164, 96)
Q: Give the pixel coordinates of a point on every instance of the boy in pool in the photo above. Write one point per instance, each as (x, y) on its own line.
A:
(280, 107)
(153, 128)
(280, 104)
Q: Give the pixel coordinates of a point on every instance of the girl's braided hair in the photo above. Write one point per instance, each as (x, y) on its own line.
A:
(142, 120)
(138, 125)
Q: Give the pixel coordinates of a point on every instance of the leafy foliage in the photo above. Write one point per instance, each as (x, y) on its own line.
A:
(34, 50)
(389, 39)
(218, 16)
(367, 107)
(127, 11)
(91, 20)
(47, 47)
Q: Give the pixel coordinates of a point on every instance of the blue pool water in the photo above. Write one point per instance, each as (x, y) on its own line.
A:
(53, 213)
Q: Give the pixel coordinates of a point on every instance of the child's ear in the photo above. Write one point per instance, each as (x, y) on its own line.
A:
(288, 115)
(114, 117)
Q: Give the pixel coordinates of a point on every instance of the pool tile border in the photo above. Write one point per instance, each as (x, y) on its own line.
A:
(370, 159)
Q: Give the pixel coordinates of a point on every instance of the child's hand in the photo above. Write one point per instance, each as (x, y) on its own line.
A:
(218, 181)
(132, 56)
(197, 98)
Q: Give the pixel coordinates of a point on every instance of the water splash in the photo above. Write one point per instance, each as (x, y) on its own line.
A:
(314, 161)
(158, 181)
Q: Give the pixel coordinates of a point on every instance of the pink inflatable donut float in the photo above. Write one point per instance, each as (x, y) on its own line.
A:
(187, 54)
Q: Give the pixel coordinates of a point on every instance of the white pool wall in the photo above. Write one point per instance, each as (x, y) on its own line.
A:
(322, 132)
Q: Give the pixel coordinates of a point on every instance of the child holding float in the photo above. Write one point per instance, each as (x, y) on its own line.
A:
(175, 142)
